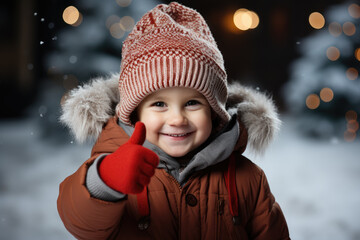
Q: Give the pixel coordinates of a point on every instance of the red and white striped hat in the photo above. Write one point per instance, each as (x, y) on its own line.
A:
(171, 46)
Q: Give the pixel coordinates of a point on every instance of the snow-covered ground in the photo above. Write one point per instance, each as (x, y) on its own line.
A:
(316, 183)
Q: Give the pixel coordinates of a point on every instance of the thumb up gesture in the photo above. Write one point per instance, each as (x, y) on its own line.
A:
(130, 167)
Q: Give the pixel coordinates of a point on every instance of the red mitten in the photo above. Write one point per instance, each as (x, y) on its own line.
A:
(130, 167)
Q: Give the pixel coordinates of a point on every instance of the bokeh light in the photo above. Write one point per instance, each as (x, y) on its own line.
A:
(127, 23)
(242, 19)
(351, 115)
(352, 73)
(255, 20)
(79, 21)
(112, 20)
(335, 29)
(352, 126)
(333, 53)
(313, 101)
(326, 94)
(354, 10)
(117, 31)
(316, 20)
(349, 28)
(349, 136)
(245, 19)
(72, 16)
(357, 54)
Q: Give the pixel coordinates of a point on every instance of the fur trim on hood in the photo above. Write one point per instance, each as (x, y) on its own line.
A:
(87, 108)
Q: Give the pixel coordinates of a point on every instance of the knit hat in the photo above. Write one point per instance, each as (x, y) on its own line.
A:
(171, 46)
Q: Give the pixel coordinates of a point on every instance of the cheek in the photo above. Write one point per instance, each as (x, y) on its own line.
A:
(204, 123)
(148, 119)
(152, 124)
(207, 127)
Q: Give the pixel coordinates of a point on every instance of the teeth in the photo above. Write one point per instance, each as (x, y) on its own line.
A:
(177, 135)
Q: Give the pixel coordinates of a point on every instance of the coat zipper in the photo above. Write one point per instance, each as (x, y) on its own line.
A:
(174, 180)
(180, 188)
(220, 212)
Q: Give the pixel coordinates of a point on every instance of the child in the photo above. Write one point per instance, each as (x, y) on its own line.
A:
(181, 174)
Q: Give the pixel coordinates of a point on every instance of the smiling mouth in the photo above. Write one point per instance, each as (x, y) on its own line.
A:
(177, 135)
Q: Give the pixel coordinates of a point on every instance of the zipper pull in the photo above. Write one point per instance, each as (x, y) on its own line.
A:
(221, 206)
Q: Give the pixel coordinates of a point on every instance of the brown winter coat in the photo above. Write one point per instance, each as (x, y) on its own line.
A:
(199, 209)
(171, 215)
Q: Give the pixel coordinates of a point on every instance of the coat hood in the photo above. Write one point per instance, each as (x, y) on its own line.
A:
(87, 108)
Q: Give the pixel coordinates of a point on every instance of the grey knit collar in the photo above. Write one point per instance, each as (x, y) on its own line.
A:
(215, 150)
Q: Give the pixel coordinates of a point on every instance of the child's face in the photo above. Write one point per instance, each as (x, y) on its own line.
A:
(177, 119)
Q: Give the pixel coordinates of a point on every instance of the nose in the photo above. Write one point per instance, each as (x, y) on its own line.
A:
(177, 118)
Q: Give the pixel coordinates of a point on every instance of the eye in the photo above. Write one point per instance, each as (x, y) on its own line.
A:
(192, 103)
(158, 104)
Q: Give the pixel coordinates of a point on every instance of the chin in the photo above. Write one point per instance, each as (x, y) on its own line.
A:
(177, 155)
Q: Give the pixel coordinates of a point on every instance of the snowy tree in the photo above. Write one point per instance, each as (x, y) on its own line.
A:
(92, 45)
(88, 47)
(324, 87)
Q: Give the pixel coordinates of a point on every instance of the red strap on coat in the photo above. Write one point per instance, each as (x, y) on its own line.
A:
(144, 211)
(230, 182)
(143, 203)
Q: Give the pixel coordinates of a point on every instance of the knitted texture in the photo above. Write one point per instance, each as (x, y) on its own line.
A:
(171, 46)
(130, 168)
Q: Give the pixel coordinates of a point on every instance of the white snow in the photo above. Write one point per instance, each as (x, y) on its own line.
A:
(316, 183)
(31, 169)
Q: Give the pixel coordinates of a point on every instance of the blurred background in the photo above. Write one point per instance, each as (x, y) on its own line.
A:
(305, 54)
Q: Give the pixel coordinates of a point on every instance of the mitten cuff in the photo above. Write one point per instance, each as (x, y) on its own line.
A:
(96, 186)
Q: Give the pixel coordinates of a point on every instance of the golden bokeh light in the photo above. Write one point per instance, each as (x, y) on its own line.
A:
(335, 29)
(123, 3)
(245, 19)
(354, 10)
(326, 94)
(312, 101)
(112, 20)
(349, 28)
(357, 54)
(349, 136)
(127, 23)
(352, 73)
(351, 115)
(79, 21)
(242, 19)
(116, 31)
(333, 53)
(255, 20)
(71, 15)
(316, 20)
